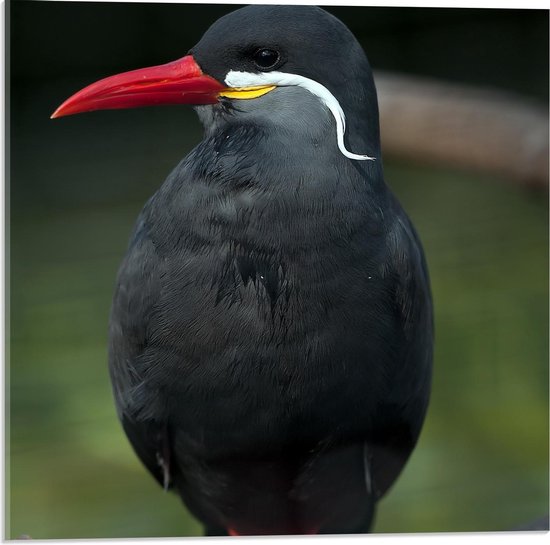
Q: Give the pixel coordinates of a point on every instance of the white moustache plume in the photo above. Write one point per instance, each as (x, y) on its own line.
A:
(282, 79)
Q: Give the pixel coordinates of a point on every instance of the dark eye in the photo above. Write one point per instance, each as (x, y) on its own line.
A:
(266, 58)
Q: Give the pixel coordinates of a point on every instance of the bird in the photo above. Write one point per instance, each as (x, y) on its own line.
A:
(271, 332)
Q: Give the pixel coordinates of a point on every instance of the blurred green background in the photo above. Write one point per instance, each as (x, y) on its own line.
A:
(75, 186)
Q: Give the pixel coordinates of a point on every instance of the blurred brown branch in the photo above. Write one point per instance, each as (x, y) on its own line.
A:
(432, 121)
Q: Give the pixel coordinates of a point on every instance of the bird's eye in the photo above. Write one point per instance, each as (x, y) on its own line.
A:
(266, 58)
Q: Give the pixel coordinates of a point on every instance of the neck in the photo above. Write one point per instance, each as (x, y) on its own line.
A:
(272, 176)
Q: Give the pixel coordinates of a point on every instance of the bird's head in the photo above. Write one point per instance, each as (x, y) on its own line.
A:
(293, 64)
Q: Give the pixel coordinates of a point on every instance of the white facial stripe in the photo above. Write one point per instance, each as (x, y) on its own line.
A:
(281, 79)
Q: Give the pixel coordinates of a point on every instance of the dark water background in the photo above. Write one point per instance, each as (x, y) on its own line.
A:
(75, 186)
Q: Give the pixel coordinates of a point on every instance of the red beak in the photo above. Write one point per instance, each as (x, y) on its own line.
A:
(177, 82)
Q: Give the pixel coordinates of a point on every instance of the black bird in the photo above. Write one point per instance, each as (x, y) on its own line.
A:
(271, 330)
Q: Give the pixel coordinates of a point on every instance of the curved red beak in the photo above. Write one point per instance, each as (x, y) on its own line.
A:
(177, 82)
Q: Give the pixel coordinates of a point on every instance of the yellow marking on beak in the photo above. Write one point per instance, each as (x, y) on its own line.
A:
(246, 92)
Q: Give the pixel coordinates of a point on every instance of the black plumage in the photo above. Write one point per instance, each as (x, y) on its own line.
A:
(271, 330)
